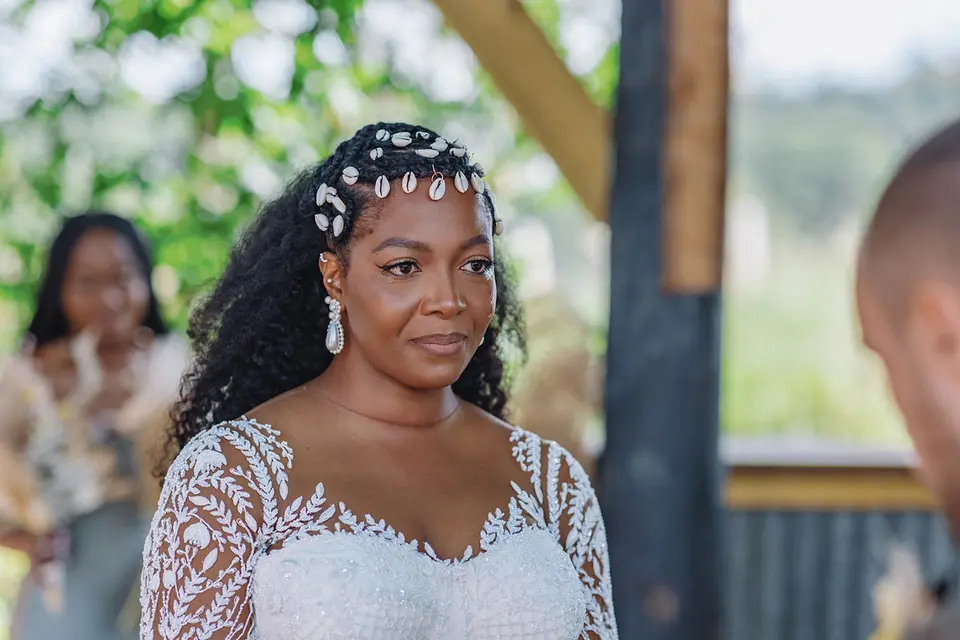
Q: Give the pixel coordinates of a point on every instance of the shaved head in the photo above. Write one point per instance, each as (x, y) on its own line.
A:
(908, 301)
(915, 231)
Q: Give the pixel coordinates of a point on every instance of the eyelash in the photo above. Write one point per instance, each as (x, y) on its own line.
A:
(389, 269)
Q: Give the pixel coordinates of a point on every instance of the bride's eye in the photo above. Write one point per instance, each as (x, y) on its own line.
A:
(479, 266)
(401, 268)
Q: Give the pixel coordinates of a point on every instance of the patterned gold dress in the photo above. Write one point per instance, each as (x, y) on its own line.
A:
(106, 461)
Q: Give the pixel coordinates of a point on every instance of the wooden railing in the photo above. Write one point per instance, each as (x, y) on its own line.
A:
(817, 476)
(808, 529)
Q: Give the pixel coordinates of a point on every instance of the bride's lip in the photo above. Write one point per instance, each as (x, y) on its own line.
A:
(441, 344)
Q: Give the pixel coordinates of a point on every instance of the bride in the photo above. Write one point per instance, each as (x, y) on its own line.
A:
(345, 470)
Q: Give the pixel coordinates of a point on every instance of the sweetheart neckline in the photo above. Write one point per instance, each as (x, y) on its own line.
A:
(410, 547)
(495, 524)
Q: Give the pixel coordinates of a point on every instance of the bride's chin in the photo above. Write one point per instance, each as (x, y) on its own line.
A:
(431, 377)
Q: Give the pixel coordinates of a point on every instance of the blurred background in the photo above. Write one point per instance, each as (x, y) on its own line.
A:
(186, 115)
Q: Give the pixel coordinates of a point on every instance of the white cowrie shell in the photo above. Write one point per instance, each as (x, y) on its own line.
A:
(383, 135)
(401, 139)
(478, 185)
(382, 187)
(423, 134)
(498, 227)
(458, 151)
(439, 144)
(321, 195)
(409, 182)
(350, 175)
(376, 154)
(337, 226)
(338, 204)
(460, 182)
(438, 188)
(323, 223)
(428, 153)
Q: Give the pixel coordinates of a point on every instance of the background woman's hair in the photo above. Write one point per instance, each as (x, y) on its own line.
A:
(49, 321)
(261, 330)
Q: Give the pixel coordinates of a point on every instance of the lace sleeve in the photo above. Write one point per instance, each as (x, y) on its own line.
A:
(217, 507)
(577, 518)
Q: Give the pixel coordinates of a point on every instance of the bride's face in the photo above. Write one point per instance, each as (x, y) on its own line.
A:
(418, 291)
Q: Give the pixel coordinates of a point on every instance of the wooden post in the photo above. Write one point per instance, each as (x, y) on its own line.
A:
(696, 145)
(660, 475)
(551, 102)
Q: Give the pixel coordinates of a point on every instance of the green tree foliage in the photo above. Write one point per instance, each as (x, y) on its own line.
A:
(192, 160)
(817, 159)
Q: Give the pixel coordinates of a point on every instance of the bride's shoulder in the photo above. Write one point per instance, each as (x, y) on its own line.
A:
(242, 443)
(536, 452)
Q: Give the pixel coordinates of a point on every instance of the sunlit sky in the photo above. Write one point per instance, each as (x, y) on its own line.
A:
(788, 43)
(853, 41)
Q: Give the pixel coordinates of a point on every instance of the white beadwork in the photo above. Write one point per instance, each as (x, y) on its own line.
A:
(232, 554)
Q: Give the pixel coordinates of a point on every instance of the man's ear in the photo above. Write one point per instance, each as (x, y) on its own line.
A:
(934, 324)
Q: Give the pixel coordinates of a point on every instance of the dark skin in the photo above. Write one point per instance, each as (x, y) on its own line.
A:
(381, 428)
(105, 294)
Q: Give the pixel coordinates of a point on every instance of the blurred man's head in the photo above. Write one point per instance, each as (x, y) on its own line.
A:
(908, 298)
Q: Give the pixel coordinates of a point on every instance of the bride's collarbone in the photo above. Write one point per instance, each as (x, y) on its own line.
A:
(442, 502)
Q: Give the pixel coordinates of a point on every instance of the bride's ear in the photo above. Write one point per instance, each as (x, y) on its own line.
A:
(332, 271)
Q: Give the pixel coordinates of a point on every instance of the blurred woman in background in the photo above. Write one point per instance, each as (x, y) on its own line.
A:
(84, 403)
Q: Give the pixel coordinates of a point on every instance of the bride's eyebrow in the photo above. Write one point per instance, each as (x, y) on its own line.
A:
(475, 241)
(403, 243)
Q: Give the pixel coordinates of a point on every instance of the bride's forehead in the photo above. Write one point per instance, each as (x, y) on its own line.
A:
(411, 215)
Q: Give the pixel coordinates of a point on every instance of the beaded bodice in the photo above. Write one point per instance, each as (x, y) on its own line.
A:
(231, 555)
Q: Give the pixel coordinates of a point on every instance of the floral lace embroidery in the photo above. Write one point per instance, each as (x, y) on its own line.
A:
(221, 511)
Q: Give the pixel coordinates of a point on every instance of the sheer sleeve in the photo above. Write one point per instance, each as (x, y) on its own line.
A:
(217, 507)
(578, 521)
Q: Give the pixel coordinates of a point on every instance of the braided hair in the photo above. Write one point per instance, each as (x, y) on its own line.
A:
(261, 330)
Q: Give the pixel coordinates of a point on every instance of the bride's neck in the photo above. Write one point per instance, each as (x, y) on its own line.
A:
(352, 384)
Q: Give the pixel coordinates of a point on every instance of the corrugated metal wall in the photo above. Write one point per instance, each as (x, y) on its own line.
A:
(809, 575)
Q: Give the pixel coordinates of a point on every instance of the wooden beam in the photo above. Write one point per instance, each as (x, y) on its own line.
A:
(660, 476)
(551, 102)
(827, 489)
(696, 145)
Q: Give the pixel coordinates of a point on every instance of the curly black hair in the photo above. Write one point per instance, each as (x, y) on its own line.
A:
(261, 330)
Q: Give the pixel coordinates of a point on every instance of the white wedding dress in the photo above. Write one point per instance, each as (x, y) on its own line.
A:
(232, 556)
